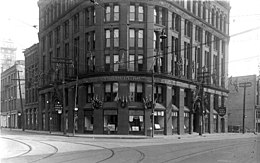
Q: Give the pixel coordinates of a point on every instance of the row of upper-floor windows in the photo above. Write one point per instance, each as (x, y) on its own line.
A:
(136, 38)
(212, 16)
(54, 10)
(8, 80)
(31, 95)
(9, 93)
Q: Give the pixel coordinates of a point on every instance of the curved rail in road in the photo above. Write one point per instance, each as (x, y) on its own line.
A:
(24, 153)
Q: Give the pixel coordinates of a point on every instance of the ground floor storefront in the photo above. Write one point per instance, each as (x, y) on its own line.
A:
(11, 119)
(124, 107)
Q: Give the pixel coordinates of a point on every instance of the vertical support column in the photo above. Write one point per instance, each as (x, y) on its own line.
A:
(168, 116)
(123, 113)
(190, 106)
(181, 45)
(39, 117)
(99, 32)
(148, 112)
(124, 28)
(70, 109)
(168, 48)
(180, 105)
(82, 101)
(46, 113)
(211, 120)
(98, 113)
(148, 42)
(219, 117)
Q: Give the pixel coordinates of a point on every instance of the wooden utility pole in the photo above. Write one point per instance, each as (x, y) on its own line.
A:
(21, 98)
(244, 85)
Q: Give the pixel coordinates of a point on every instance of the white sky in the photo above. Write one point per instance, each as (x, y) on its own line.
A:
(17, 18)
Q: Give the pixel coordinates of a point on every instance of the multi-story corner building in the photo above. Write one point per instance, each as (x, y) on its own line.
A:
(116, 54)
(246, 99)
(32, 77)
(11, 108)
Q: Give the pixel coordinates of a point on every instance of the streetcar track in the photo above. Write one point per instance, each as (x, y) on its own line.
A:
(49, 155)
(189, 155)
(29, 146)
(105, 159)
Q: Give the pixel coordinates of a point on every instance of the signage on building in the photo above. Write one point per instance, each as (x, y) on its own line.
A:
(222, 111)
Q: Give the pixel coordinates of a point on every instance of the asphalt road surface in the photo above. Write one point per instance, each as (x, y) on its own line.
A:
(23, 147)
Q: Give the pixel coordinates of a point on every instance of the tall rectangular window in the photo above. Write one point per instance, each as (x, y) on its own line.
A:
(140, 38)
(87, 42)
(93, 40)
(90, 92)
(116, 62)
(132, 62)
(111, 91)
(140, 62)
(87, 17)
(116, 13)
(58, 35)
(107, 38)
(132, 13)
(107, 13)
(140, 13)
(107, 63)
(94, 16)
(76, 23)
(158, 93)
(132, 37)
(116, 37)
(136, 91)
(50, 39)
(66, 29)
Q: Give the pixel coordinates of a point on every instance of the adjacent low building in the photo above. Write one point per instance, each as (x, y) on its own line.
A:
(11, 101)
(242, 103)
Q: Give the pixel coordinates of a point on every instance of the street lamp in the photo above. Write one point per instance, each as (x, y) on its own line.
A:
(75, 118)
(163, 36)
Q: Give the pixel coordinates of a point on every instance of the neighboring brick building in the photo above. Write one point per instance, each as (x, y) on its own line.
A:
(235, 104)
(113, 46)
(10, 96)
(32, 77)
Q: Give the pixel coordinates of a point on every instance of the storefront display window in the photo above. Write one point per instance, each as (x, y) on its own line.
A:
(136, 121)
(159, 122)
(88, 121)
(174, 122)
(186, 122)
(110, 121)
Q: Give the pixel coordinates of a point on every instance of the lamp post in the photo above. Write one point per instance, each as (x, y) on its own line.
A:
(163, 36)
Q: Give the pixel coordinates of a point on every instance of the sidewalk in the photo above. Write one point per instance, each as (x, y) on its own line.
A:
(103, 136)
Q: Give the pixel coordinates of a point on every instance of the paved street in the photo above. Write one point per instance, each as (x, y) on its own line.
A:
(18, 146)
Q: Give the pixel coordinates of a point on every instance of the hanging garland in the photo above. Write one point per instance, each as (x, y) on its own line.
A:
(96, 103)
(147, 103)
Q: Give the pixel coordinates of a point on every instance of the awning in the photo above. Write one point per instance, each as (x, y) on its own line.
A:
(175, 108)
(159, 107)
(186, 109)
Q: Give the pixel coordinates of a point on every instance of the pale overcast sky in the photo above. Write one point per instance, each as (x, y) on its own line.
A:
(19, 16)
